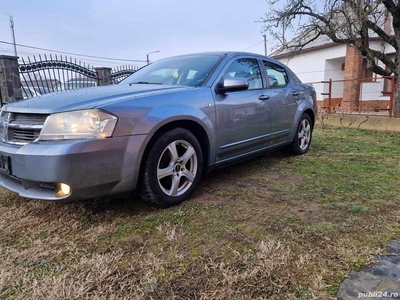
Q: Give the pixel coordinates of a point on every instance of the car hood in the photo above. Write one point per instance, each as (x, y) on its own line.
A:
(88, 98)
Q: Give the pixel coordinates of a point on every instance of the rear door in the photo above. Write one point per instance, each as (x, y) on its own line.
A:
(283, 102)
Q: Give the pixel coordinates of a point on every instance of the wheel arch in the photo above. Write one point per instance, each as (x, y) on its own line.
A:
(302, 110)
(194, 127)
(311, 114)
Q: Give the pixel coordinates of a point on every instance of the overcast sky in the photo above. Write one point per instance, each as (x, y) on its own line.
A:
(131, 29)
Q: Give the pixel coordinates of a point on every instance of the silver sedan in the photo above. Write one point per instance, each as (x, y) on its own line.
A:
(157, 131)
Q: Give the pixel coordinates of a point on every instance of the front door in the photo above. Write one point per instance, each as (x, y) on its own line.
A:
(243, 122)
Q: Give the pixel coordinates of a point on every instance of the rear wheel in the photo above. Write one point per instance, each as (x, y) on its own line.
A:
(172, 169)
(302, 140)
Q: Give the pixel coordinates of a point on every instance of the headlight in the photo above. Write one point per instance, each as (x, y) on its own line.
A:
(81, 124)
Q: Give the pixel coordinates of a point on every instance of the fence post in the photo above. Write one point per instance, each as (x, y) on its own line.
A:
(104, 75)
(391, 96)
(329, 94)
(10, 82)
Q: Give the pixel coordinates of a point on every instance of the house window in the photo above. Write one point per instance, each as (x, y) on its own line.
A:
(386, 80)
(386, 87)
(366, 73)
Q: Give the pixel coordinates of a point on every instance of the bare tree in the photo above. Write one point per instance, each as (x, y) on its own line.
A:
(351, 22)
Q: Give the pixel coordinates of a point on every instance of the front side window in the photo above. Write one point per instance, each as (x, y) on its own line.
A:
(181, 70)
(246, 68)
(277, 76)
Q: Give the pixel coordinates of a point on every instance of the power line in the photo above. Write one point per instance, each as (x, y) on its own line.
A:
(91, 61)
(254, 45)
(69, 53)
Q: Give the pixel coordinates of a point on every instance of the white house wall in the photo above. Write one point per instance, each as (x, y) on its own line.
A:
(310, 67)
(378, 45)
(317, 66)
(371, 91)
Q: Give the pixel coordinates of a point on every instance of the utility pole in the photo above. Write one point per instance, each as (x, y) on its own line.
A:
(147, 56)
(13, 34)
(265, 44)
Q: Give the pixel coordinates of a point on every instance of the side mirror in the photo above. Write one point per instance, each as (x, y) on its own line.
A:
(232, 85)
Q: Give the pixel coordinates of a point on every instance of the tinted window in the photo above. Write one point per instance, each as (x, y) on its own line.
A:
(277, 76)
(180, 70)
(246, 68)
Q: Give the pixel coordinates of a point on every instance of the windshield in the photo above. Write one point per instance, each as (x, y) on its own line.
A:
(182, 70)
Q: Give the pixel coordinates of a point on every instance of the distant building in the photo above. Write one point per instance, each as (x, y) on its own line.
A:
(322, 60)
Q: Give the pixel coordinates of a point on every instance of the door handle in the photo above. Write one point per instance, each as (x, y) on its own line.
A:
(264, 97)
(295, 93)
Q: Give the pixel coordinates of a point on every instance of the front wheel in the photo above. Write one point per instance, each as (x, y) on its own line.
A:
(302, 140)
(172, 169)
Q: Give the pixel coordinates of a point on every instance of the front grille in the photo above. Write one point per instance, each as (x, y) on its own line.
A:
(19, 128)
(22, 135)
(28, 119)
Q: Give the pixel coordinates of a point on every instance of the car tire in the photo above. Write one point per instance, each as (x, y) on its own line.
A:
(172, 168)
(302, 140)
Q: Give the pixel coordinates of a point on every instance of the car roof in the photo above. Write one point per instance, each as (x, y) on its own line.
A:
(221, 53)
(229, 54)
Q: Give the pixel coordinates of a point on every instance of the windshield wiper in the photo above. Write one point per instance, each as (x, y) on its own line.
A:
(145, 82)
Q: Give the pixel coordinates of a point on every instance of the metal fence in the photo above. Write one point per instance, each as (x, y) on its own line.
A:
(45, 74)
(359, 96)
(120, 73)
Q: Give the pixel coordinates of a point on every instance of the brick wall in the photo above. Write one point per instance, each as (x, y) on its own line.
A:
(374, 105)
(364, 106)
(351, 88)
(324, 104)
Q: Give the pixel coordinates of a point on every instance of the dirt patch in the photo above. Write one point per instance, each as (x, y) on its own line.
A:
(311, 212)
(209, 199)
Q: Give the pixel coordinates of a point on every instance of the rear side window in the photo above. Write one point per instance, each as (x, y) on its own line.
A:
(277, 76)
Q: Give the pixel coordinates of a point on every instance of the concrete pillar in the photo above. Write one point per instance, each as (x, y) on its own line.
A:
(104, 76)
(10, 82)
(352, 74)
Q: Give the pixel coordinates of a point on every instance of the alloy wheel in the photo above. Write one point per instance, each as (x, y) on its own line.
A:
(177, 168)
(304, 134)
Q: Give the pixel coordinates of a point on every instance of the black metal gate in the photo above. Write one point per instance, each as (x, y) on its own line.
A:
(45, 74)
(54, 73)
(120, 73)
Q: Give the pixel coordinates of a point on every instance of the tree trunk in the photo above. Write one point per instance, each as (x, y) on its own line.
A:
(396, 92)
(396, 97)
(396, 72)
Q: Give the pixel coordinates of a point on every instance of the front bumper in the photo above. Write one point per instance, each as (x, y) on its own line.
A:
(92, 168)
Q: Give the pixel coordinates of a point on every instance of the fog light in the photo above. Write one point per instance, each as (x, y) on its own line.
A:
(65, 188)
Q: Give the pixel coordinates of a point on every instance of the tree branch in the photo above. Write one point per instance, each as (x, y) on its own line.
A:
(391, 6)
(343, 21)
(386, 37)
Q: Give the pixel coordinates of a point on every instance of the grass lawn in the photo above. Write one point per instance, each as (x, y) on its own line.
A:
(274, 227)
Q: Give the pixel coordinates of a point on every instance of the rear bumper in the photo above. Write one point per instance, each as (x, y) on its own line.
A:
(92, 168)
